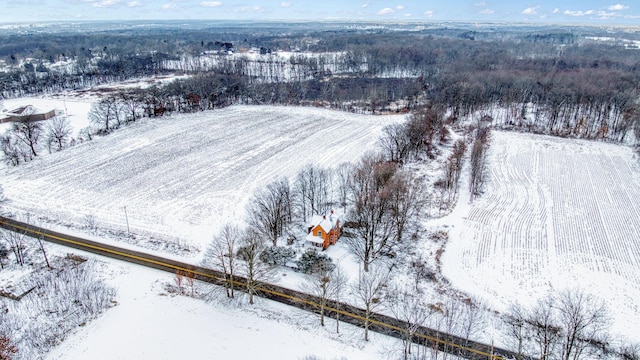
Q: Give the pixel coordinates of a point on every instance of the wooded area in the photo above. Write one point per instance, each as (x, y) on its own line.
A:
(544, 80)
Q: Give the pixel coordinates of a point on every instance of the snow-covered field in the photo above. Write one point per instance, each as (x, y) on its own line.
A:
(556, 214)
(185, 175)
(150, 323)
(182, 177)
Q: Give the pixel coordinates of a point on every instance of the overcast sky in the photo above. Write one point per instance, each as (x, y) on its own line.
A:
(543, 11)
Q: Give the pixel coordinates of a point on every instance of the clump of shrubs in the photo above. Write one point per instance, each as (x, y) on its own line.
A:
(277, 255)
(312, 262)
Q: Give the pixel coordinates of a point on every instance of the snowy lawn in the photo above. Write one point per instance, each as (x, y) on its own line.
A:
(150, 323)
(556, 214)
(184, 175)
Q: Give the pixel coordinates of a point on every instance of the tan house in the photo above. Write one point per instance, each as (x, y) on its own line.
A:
(324, 230)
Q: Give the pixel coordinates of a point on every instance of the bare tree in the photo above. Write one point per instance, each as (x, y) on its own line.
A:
(516, 321)
(473, 318)
(222, 254)
(131, 102)
(270, 210)
(545, 331)
(313, 188)
(337, 282)
(104, 113)
(342, 176)
(411, 308)
(478, 162)
(318, 285)
(584, 318)
(407, 201)
(394, 142)
(372, 209)
(422, 128)
(252, 267)
(12, 151)
(368, 293)
(629, 351)
(59, 131)
(454, 168)
(326, 284)
(28, 132)
(17, 244)
(44, 251)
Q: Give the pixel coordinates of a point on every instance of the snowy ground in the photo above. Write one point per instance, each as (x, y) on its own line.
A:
(150, 323)
(536, 228)
(183, 176)
(556, 214)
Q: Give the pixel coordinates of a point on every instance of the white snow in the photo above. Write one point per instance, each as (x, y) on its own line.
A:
(181, 177)
(536, 228)
(556, 214)
(184, 175)
(149, 323)
(75, 109)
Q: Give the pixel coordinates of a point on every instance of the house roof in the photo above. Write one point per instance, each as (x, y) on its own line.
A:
(325, 222)
(25, 110)
(314, 239)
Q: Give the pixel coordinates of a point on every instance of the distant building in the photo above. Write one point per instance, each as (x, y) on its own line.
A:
(324, 230)
(27, 113)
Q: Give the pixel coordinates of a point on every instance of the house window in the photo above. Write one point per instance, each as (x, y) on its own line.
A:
(319, 233)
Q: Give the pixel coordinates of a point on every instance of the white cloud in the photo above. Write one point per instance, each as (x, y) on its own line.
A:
(106, 3)
(211, 3)
(254, 8)
(428, 13)
(601, 14)
(385, 11)
(480, 4)
(530, 10)
(408, 15)
(285, 4)
(618, 7)
(366, 4)
(132, 4)
(574, 13)
(399, 7)
(168, 7)
(486, 12)
(555, 11)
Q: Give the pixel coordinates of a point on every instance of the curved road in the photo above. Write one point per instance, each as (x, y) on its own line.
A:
(379, 323)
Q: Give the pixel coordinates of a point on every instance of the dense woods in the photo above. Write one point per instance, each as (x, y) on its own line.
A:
(552, 81)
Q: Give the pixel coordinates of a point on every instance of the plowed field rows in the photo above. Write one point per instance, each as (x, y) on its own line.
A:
(184, 174)
(556, 214)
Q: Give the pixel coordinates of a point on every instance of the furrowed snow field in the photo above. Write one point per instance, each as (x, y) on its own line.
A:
(185, 175)
(181, 177)
(556, 214)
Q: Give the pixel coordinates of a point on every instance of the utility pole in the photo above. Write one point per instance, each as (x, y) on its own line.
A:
(127, 218)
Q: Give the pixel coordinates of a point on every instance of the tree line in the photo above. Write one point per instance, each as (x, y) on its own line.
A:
(555, 83)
